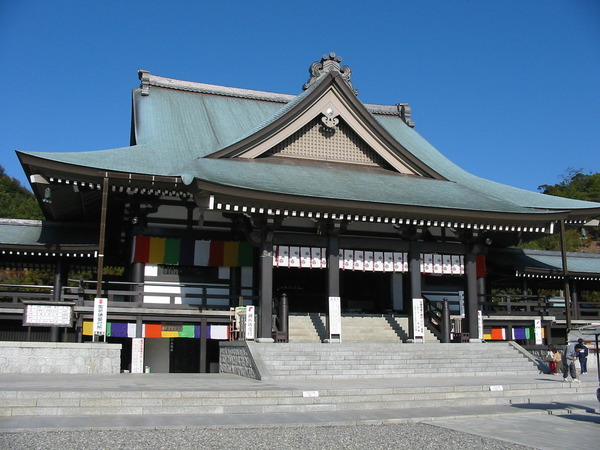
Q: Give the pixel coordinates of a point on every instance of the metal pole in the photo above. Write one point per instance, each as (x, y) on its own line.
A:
(567, 293)
(283, 314)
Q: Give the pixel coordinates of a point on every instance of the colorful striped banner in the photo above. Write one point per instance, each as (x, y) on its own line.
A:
(185, 252)
(155, 330)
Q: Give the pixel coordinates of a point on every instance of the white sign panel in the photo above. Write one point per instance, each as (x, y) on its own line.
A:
(250, 323)
(44, 315)
(137, 355)
(100, 313)
(480, 324)
(538, 331)
(335, 319)
(418, 319)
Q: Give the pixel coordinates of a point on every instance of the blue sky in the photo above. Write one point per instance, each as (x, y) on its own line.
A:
(509, 90)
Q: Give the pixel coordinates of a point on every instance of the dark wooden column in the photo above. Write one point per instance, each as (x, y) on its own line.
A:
(60, 276)
(102, 236)
(565, 272)
(414, 271)
(266, 290)
(137, 276)
(472, 295)
(203, 334)
(333, 266)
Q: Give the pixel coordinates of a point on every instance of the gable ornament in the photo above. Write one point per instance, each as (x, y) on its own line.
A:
(329, 63)
(329, 118)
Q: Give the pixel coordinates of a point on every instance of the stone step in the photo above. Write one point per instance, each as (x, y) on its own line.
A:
(387, 360)
(97, 403)
(381, 328)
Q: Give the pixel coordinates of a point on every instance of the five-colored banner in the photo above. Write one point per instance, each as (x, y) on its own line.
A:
(182, 252)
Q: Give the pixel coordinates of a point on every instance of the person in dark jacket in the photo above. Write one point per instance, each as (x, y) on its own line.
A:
(582, 353)
(568, 360)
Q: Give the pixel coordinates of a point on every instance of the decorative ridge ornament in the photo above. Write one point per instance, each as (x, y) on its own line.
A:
(329, 63)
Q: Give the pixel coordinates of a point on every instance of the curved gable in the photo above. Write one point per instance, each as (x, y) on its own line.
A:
(327, 114)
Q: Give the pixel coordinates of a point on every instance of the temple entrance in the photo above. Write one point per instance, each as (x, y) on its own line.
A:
(184, 355)
(365, 292)
(360, 292)
(306, 289)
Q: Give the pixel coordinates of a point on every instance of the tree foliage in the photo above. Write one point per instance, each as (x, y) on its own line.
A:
(16, 202)
(577, 185)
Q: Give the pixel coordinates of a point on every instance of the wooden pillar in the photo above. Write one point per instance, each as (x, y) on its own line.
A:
(471, 307)
(333, 266)
(414, 270)
(565, 272)
(575, 297)
(266, 290)
(102, 236)
(60, 276)
(235, 291)
(203, 334)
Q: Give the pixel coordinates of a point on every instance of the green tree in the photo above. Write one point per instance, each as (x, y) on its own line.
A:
(16, 202)
(575, 184)
(580, 186)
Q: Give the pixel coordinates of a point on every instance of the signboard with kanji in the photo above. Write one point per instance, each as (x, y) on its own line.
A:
(48, 314)
(100, 313)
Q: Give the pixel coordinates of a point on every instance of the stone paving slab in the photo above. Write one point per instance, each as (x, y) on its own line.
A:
(454, 417)
(172, 382)
(526, 424)
(564, 431)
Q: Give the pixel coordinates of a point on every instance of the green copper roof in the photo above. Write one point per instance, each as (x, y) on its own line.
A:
(42, 235)
(176, 128)
(546, 261)
(344, 183)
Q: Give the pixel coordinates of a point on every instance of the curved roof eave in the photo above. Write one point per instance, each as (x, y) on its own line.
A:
(135, 159)
(422, 149)
(333, 182)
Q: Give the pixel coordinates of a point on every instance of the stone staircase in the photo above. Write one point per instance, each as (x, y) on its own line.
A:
(307, 327)
(71, 401)
(315, 378)
(312, 328)
(385, 360)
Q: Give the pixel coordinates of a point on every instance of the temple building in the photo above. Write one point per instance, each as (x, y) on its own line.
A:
(314, 205)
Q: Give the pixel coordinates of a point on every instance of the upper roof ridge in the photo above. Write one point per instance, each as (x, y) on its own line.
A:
(147, 80)
(328, 63)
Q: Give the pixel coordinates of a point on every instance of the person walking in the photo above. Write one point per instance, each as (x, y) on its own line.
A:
(582, 354)
(568, 360)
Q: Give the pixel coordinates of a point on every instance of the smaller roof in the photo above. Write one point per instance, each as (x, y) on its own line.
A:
(44, 236)
(547, 263)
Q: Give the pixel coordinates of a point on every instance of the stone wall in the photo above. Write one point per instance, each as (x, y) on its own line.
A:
(60, 357)
(235, 358)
